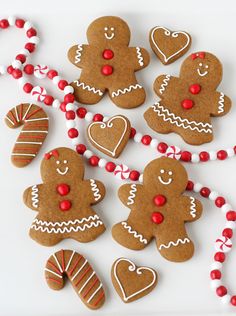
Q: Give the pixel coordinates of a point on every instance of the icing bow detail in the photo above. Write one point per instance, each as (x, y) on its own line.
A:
(198, 55)
(53, 153)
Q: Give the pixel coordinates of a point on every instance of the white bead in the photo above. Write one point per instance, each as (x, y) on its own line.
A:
(212, 155)
(56, 79)
(230, 152)
(226, 207)
(11, 20)
(22, 81)
(138, 137)
(27, 25)
(226, 299)
(3, 70)
(16, 64)
(88, 154)
(216, 265)
(102, 163)
(140, 179)
(197, 187)
(56, 104)
(154, 143)
(24, 51)
(213, 195)
(34, 40)
(106, 118)
(215, 284)
(230, 224)
(70, 123)
(70, 107)
(195, 158)
(68, 89)
(89, 117)
(75, 141)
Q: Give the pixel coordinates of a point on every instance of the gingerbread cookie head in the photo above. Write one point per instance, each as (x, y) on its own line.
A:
(108, 30)
(203, 68)
(61, 164)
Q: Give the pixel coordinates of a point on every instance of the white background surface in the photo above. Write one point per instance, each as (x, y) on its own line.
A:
(183, 288)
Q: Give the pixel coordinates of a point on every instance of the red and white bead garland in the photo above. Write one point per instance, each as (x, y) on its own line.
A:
(15, 68)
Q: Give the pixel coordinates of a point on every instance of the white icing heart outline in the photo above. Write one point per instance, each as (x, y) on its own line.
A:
(173, 34)
(133, 268)
(109, 125)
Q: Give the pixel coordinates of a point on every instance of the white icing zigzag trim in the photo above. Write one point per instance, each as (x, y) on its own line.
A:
(164, 84)
(60, 224)
(132, 194)
(179, 121)
(87, 87)
(34, 198)
(193, 207)
(136, 235)
(221, 103)
(125, 90)
(172, 243)
(140, 57)
(95, 190)
(78, 54)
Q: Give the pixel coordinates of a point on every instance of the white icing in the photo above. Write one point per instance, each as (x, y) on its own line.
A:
(27, 111)
(133, 268)
(80, 269)
(221, 103)
(164, 84)
(88, 88)
(106, 34)
(69, 262)
(179, 121)
(85, 283)
(62, 172)
(17, 116)
(58, 264)
(58, 275)
(132, 194)
(165, 182)
(92, 296)
(125, 90)
(193, 207)
(35, 196)
(140, 57)
(68, 223)
(135, 233)
(10, 120)
(202, 74)
(32, 143)
(94, 188)
(38, 119)
(174, 243)
(20, 154)
(45, 132)
(172, 34)
(78, 54)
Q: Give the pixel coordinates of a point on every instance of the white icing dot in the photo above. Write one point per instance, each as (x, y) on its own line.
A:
(215, 284)
(170, 173)
(102, 163)
(197, 187)
(216, 265)
(195, 158)
(138, 137)
(56, 104)
(16, 64)
(162, 171)
(34, 40)
(230, 224)
(212, 155)
(88, 154)
(105, 28)
(112, 28)
(89, 117)
(226, 207)
(75, 141)
(140, 179)
(56, 79)
(206, 66)
(213, 195)
(154, 143)
(70, 107)
(226, 299)
(230, 152)
(70, 124)
(68, 89)
(12, 20)
(200, 64)
(58, 162)
(65, 161)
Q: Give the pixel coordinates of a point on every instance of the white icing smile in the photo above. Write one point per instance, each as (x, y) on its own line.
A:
(109, 32)
(165, 182)
(201, 71)
(59, 170)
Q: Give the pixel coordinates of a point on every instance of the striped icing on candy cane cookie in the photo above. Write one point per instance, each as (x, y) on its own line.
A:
(80, 273)
(35, 129)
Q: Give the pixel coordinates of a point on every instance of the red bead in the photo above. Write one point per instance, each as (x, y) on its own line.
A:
(98, 117)
(235, 149)
(205, 192)
(17, 73)
(21, 58)
(69, 98)
(233, 300)
(63, 107)
(73, 133)
(222, 154)
(94, 160)
(81, 148)
(134, 175)
(231, 216)
(65, 205)
(190, 185)
(204, 156)
(10, 69)
(186, 156)
(146, 140)
(81, 112)
(28, 87)
(29, 69)
(70, 115)
(215, 275)
(4, 24)
(20, 23)
(107, 70)
(159, 200)
(63, 189)
(220, 201)
(62, 84)
(52, 73)
(132, 132)
(221, 291)
(187, 104)
(220, 257)
(162, 147)
(110, 166)
(48, 100)
(195, 88)
(157, 218)
(107, 54)
(227, 232)
(31, 32)
(30, 47)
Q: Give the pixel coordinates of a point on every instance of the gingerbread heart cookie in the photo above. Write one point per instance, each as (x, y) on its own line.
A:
(110, 137)
(132, 282)
(169, 45)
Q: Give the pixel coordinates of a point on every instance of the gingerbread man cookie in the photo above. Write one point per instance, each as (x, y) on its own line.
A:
(159, 210)
(188, 102)
(63, 201)
(108, 63)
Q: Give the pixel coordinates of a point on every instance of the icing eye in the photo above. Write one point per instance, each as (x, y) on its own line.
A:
(112, 28)
(57, 162)
(105, 28)
(207, 66)
(162, 171)
(65, 161)
(170, 173)
(200, 64)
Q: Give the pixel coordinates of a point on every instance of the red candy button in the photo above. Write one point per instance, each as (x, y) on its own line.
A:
(159, 200)
(195, 88)
(63, 189)
(187, 104)
(65, 205)
(157, 218)
(107, 70)
(107, 54)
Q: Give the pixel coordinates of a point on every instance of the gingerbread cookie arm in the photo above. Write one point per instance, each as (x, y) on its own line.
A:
(221, 104)
(130, 194)
(31, 197)
(165, 83)
(95, 190)
(139, 57)
(76, 55)
(190, 208)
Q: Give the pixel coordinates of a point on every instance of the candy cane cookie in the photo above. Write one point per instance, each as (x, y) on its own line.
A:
(35, 124)
(70, 264)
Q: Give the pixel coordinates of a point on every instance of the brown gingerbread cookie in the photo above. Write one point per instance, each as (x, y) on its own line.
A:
(188, 102)
(110, 137)
(108, 63)
(63, 201)
(159, 210)
(70, 264)
(169, 45)
(34, 132)
(132, 282)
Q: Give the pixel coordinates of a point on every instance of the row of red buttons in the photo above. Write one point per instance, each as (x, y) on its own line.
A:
(63, 189)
